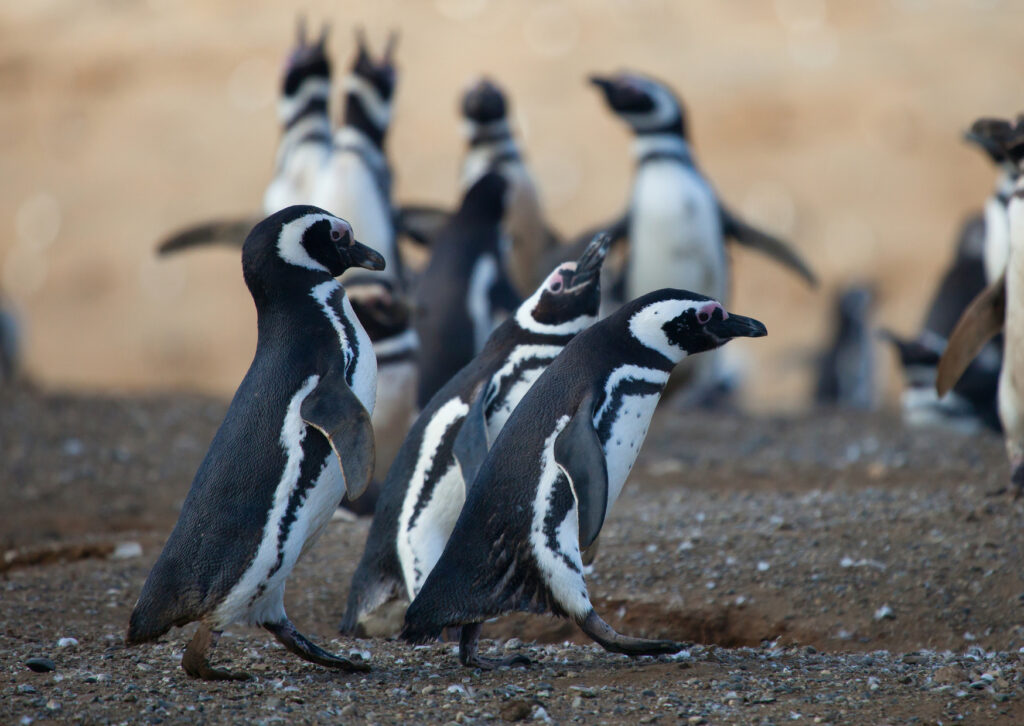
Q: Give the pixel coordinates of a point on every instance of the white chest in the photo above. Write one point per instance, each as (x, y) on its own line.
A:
(675, 232)
(628, 431)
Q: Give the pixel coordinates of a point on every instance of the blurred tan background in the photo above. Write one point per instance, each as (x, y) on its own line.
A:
(835, 123)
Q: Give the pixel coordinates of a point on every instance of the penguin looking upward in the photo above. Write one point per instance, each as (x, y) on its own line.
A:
(271, 479)
(427, 484)
(355, 181)
(675, 223)
(464, 292)
(999, 308)
(556, 469)
(306, 125)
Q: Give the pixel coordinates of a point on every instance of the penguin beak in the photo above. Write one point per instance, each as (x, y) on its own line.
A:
(588, 267)
(359, 255)
(987, 144)
(735, 326)
(605, 84)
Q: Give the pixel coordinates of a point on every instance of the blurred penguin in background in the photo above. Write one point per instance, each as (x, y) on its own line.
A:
(846, 371)
(10, 343)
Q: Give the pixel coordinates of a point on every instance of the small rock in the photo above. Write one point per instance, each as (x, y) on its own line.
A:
(126, 551)
(350, 711)
(540, 714)
(696, 720)
(26, 688)
(516, 710)
(914, 659)
(513, 643)
(67, 642)
(949, 674)
(577, 702)
(41, 665)
(885, 613)
(52, 705)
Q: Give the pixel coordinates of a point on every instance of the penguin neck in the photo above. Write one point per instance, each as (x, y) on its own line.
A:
(354, 140)
(1006, 183)
(290, 299)
(487, 153)
(310, 100)
(366, 110)
(652, 147)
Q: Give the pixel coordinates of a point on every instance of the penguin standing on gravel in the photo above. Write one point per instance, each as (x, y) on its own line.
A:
(464, 292)
(427, 484)
(556, 469)
(271, 479)
(355, 180)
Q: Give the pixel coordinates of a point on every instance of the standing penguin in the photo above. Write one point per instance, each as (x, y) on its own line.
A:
(427, 484)
(464, 292)
(990, 134)
(999, 308)
(555, 471)
(675, 222)
(355, 181)
(846, 369)
(270, 482)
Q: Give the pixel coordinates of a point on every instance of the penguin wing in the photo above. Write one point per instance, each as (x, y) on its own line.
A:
(579, 454)
(780, 251)
(230, 232)
(421, 223)
(982, 320)
(335, 411)
(470, 446)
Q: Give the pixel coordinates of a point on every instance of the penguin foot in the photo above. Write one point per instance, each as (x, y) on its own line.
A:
(469, 657)
(605, 635)
(195, 663)
(300, 645)
(1017, 480)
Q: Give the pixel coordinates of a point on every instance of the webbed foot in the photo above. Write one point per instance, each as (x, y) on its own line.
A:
(470, 658)
(301, 646)
(196, 664)
(605, 635)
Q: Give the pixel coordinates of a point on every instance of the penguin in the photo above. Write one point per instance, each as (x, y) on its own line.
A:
(271, 478)
(464, 292)
(10, 343)
(385, 313)
(305, 143)
(989, 134)
(303, 150)
(676, 224)
(355, 181)
(492, 147)
(846, 370)
(427, 484)
(556, 469)
(998, 308)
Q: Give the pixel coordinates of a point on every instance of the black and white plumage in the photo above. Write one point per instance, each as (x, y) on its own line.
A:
(994, 222)
(355, 180)
(302, 109)
(556, 469)
(426, 486)
(271, 478)
(464, 292)
(846, 369)
(675, 222)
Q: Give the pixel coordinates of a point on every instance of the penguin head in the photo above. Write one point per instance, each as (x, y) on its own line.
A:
(369, 86)
(485, 113)
(989, 134)
(648, 106)
(383, 310)
(303, 238)
(569, 299)
(678, 323)
(308, 60)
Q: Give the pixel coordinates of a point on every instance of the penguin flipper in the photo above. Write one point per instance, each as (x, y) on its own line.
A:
(982, 320)
(421, 223)
(579, 454)
(230, 232)
(470, 446)
(780, 251)
(335, 411)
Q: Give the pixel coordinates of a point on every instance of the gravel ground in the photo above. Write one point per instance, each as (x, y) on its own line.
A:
(826, 568)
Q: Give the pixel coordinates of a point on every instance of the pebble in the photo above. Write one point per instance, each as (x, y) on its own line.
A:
(885, 613)
(67, 642)
(350, 711)
(41, 665)
(126, 551)
(26, 688)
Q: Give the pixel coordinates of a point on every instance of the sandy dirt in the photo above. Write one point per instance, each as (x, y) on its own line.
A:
(826, 568)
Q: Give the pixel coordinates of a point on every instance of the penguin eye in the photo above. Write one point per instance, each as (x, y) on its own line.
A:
(556, 286)
(703, 316)
(335, 235)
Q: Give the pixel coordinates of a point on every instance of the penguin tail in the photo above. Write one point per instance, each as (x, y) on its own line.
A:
(421, 624)
(229, 232)
(420, 635)
(145, 625)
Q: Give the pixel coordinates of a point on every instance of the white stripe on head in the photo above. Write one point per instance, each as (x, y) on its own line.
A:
(289, 241)
(647, 325)
(524, 313)
(660, 144)
(494, 130)
(376, 107)
(666, 110)
(311, 88)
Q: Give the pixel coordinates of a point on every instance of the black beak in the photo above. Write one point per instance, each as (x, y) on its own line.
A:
(987, 144)
(589, 264)
(605, 84)
(735, 326)
(359, 255)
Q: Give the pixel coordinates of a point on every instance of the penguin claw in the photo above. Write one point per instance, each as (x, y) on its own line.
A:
(300, 645)
(468, 656)
(194, 661)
